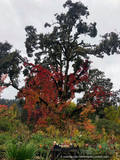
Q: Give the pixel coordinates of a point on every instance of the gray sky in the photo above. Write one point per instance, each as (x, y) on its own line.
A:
(15, 15)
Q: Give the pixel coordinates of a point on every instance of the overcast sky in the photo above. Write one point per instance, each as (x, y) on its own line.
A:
(15, 15)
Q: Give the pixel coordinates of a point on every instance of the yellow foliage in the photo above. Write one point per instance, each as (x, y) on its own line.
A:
(40, 132)
(105, 135)
(67, 141)
(112, 113)
(87, 110)
(11, 112)
(52, 131)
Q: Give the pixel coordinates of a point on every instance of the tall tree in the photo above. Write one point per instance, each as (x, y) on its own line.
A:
(57, 50)
(64, 46)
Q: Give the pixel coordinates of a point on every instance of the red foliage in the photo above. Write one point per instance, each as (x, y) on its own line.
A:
(48, 93)
(98, 95)
(88, 126)
(47, 89)
(3, 77)
(3, 108)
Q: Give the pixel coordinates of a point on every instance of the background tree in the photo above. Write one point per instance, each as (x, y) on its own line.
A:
(112, 113)
(98, 91)
(10, 64)
(10, 102)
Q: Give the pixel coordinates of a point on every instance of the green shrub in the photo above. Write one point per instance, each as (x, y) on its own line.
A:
(4, 137)
(70, 108)
(37, 137)
(44, 144)
(4, 124)
(103, 150)
(108, 125)
(2, 151)
(112, 113)
(21, 151)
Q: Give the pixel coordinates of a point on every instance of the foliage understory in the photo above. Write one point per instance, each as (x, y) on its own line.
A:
(23, 141)
(18, 142)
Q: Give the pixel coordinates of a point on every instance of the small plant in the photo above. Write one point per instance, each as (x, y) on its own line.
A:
(37, 137)
(21, 151)
(2, 151)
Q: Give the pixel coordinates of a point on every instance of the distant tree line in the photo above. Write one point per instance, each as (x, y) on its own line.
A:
(10, 102)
